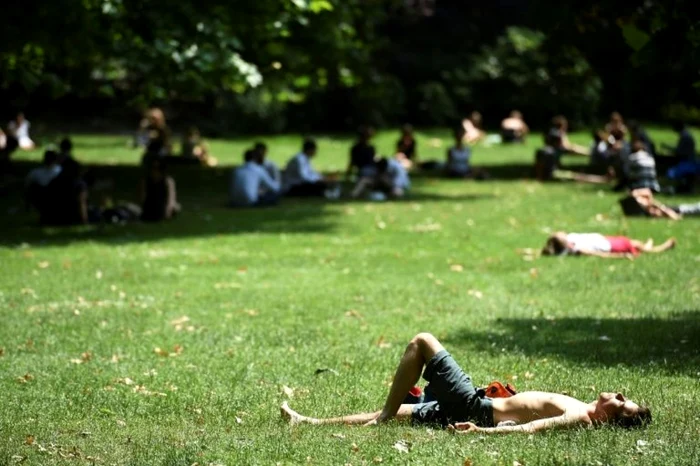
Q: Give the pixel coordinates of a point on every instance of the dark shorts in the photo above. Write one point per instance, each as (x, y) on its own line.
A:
(457, 399)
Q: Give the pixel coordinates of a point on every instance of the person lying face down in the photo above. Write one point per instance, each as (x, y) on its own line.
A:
(595, 244)
(463, 409)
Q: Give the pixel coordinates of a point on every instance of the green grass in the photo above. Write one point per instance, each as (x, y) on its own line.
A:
(268, 296)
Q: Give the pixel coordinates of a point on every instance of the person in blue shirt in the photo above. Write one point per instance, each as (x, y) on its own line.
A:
(251, 185)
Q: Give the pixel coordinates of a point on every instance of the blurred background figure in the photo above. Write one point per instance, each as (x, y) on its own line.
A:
(514, 128)
(154, 132)
(406, 148)
(251, 185)
(473, 131)
(158, 193)
(616, 123)
(195, 149)
(269, 166)
(19, 129)
(362, 155)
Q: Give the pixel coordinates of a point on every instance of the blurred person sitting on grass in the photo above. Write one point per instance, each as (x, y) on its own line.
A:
(362, 160)
(158, 193)
(473, 131)
(270, 167)
(464, 409)
(514, 128)
(391, 180)
(458, 164)
(19, 129)
(39, 178)
(154, 132)
(680, 164)
(301, 180)
(616, 123)
(194, 148)
(560, 127)
(66, 198)
(595, 244)
(406, 148)
(251, 185)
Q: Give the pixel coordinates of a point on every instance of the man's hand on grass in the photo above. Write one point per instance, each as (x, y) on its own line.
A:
(463, 427)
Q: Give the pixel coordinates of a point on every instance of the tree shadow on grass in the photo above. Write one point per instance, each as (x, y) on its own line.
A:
(668, 344)
(201, 191)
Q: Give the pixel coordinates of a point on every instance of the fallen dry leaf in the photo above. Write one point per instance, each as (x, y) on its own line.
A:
(239, 420)
(402, 446)
(98, 275)
(43, 264)
(381, 225)
(161, 352)
(251, 312)
(2, 351)
(338, 436)
(382, 343)
(354, 447)
(287, 391)
(457, 268)
(529, 375)
(353, 313)
(467, 462)
(534, 273)
(243, 269)
(29, 440)
(25, 378)
(476, 293)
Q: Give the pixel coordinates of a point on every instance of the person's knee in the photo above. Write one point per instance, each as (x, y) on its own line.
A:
(423, 342)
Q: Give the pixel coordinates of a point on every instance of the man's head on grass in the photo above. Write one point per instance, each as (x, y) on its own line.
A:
(556, 244)
(615, 409)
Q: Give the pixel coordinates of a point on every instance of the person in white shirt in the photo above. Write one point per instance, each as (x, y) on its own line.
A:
(595, 244)
(301, 180)
(251, 185)
(19, 128)
(270, 167)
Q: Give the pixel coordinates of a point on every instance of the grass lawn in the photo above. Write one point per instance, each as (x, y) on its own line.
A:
(175, 344)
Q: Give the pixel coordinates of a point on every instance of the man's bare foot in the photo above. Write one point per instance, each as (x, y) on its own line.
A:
(291, 416)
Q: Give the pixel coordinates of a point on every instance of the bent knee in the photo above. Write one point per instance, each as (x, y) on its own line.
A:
(426, 343)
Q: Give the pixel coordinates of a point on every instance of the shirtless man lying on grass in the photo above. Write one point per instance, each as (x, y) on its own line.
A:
(463, 409)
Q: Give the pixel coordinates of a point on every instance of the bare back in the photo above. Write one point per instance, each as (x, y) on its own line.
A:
(530, 406)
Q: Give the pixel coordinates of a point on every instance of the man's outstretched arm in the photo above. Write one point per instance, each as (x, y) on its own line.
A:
(558, 422)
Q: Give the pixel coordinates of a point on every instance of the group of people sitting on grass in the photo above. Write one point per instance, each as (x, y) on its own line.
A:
(621, 153)
(155, 136)
(59, 190)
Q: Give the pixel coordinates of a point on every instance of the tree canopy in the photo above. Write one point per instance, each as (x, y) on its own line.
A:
(337, 63)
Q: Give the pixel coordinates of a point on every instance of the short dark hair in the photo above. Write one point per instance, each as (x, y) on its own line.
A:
(309, 145)
(641, 419)
(260, 146)
(382, 165)
(249, 155)
(553, 247)
(50, 157)
(66, 145)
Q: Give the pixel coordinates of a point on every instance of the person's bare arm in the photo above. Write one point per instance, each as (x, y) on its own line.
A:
(171, 204)
(83, 207)
(559, 422)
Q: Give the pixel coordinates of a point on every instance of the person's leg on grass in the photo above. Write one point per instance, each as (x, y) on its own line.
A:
(419, 352)
(291, 416)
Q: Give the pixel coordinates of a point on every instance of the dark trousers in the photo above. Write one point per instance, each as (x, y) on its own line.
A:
(316, 189)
